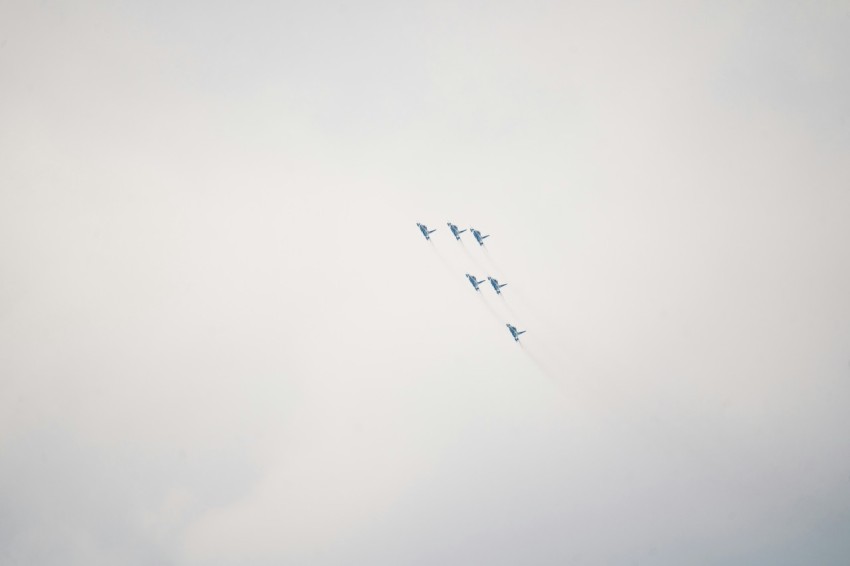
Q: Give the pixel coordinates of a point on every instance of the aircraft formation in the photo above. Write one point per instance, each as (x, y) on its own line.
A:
(473, 280)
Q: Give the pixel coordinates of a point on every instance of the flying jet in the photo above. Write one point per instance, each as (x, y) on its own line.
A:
(514, 332)
(455, 232)
(478, 237)
(425, 231)
(495, 283)
(473, 281)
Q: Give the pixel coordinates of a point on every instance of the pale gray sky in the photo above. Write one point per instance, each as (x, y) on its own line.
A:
(224, 341)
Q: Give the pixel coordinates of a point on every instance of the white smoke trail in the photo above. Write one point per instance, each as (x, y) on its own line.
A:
(493, 263)
(547, 359)
(490, 308)
(544, 368)
(446, 266)
(510, 309)
(471, 258)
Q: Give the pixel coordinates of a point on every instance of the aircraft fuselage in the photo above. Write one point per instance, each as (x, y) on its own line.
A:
(455, 232)
(514, 332)
(425, 231)
(478, 237)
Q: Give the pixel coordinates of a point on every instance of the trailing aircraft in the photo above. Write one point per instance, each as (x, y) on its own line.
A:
(425, 231)
(514, 332)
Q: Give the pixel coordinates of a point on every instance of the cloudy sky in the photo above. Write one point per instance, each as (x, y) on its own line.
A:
(224, 341)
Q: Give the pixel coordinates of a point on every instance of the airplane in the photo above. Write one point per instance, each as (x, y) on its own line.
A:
(514, 332)
(478, 237)
(455, 232)
(425, 231)
(495, 283)
(473, 281)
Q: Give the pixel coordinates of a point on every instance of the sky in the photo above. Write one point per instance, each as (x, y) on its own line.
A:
(223, 339)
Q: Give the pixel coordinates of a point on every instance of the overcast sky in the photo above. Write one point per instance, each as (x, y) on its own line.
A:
(224, 341)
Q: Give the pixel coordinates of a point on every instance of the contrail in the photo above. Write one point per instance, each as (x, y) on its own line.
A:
(548, 362)
(445, 263)
(492, 261)
(509, 309)
(546, 371)
(574, 367)
(489, 307)
(527, 306)
(472, 259)
(534, 359)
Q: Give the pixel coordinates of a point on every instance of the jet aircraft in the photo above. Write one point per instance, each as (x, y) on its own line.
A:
(495, 283)
(455, 232)
(473, 281)
(478, 237)
(425, 231)
(514, 332)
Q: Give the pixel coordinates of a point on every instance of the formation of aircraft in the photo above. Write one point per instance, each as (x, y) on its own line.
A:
(474, 281)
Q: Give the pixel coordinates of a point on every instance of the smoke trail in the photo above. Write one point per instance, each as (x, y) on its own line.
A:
(508, 307)
(542, 357)
(442, 259)
(492, 261)
(567, 368)
(547, 371)
(530, 308)
(472, 259)
(490, 308)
